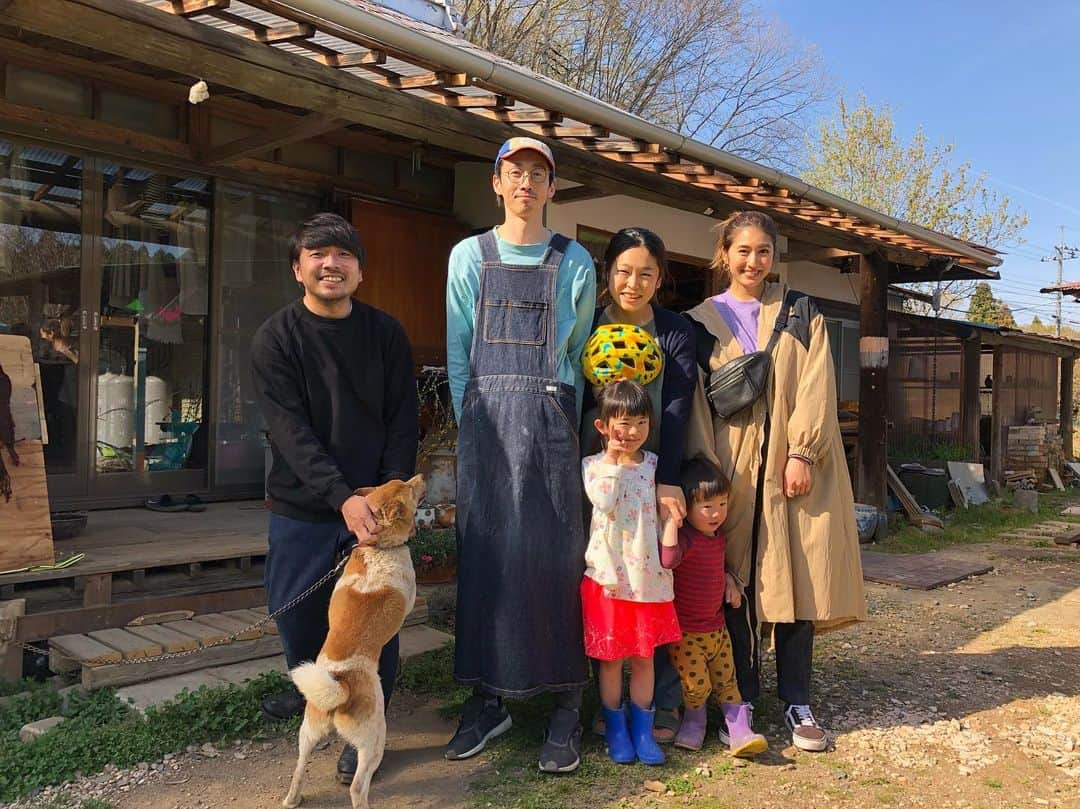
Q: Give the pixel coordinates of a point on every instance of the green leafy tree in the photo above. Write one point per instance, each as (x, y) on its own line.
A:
(985, 308)
(1036, 324)
(858, 155)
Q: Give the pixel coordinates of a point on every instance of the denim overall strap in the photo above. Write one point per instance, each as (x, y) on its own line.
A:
(521, 542)
(515, 329)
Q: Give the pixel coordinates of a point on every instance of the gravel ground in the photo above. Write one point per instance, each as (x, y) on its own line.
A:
(966, 696)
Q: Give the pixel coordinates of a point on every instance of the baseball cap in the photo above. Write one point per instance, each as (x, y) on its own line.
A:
(515, 145)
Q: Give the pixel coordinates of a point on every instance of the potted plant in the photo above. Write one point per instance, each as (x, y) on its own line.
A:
(434, 555)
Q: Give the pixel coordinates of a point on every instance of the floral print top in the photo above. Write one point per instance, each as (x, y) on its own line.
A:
(623, 555)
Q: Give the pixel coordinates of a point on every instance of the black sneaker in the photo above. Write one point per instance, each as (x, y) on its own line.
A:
(346, 765)
(561, 752)
(481, 721)
(284, 705)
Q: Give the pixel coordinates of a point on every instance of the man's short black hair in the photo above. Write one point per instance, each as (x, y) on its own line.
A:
(325, 230)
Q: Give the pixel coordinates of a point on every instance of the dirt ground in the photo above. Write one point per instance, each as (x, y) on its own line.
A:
(964, 696)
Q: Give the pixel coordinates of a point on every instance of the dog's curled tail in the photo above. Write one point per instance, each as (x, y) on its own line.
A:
(319, 686)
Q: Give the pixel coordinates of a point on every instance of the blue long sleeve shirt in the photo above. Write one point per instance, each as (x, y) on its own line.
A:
(575, 300)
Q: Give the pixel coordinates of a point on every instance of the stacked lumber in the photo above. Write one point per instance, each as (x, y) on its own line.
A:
(1020, 479)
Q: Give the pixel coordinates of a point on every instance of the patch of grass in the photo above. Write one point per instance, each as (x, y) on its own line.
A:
(978, 524)
(99, 729)
(96, 803)
(993, 783)
(680, 785)
(9, 687)
(33, 701)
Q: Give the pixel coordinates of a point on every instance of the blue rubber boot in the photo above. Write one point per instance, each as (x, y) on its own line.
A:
(641, 728)
(619, 747)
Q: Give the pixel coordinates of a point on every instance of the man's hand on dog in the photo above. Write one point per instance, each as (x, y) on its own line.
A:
(360, 520)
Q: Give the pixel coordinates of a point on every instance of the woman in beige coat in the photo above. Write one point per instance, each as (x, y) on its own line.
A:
(790, 530)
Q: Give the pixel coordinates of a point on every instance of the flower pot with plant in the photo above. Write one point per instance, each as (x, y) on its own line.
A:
(434, 555)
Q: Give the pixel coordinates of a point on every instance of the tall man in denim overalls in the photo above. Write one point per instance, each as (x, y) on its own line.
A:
(519, 306)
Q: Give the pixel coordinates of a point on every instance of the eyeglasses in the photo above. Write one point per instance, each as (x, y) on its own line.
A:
(536, 176)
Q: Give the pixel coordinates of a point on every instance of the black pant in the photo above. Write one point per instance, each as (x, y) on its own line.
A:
(300, 554)
(794, 655)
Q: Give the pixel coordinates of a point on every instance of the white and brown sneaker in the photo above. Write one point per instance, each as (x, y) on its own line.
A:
(806, 733)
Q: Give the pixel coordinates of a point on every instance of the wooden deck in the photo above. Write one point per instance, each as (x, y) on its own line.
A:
(140, 561)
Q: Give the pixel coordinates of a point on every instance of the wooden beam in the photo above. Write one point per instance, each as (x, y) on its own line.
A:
(997, 416)
(1066, 407)
(305, 128)
(970, 403)
(282, 33)
(55, 177)
(549, 131)
(38, 626)
(873, 379)
(44, 121)
(625, 146)
(365, 59)
(424, 81)
(190, 8)
(799, 251)
(464, 102)
(578, 193)
(522, 116)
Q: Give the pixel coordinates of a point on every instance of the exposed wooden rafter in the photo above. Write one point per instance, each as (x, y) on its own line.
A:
(309, 126)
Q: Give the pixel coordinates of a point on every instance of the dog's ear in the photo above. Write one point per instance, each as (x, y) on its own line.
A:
(416, 483)
(364, 491)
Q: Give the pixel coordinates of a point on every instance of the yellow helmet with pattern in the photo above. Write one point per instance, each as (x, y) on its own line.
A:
(621, 351)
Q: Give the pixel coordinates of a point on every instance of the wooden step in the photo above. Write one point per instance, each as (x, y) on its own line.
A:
(131, 646)
(169, 639)
(83, 649)
(230, 626)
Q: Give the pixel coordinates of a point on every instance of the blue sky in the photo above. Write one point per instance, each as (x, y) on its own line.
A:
(1000, 80)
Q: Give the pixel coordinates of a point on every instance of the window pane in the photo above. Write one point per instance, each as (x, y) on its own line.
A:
(153, 331)
(40, 263)
(256, 281)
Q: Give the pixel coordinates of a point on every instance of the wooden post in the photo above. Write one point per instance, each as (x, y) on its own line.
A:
(1066, 407)
(997, 417)
(970, 407)
(873, 378)
(11, 656)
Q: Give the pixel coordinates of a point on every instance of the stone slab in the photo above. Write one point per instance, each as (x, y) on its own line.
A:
(155, 692)
(419, 639)
(917, 571)
(239, 673)
(35, 730)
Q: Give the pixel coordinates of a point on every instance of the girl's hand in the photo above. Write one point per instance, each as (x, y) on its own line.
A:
(671, 502)
(732, 591)
(796, 477)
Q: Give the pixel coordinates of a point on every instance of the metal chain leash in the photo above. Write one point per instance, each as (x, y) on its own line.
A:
(221, 642)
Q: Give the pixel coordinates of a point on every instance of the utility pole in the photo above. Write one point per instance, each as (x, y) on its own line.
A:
(1062, 253)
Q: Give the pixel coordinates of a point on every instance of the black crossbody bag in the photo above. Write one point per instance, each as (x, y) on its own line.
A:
(734, 387)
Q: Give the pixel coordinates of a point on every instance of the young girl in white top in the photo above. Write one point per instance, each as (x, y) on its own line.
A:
(626, 595)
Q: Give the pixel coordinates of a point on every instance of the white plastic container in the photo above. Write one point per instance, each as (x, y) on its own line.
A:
(116, 410)
(158, 408)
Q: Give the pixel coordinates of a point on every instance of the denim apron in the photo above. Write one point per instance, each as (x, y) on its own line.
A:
(521, 544)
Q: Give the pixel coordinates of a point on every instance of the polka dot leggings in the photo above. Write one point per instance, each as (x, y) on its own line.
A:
(705, 666)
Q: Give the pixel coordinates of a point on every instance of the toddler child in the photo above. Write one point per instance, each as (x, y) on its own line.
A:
(703, 656)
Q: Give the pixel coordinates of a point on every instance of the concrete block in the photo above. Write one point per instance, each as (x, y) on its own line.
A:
(421, 638)
(35, 730)
(239, 673)
(1027, 499)
(142, 695)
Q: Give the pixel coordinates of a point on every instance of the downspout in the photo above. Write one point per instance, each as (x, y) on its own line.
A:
(555, 96)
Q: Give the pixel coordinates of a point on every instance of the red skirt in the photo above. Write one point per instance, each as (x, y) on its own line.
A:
(616, 628)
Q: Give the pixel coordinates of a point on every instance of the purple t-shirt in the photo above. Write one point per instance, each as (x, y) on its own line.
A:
(741, 317)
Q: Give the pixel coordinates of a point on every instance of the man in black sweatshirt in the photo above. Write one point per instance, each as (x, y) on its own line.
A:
(336, 385)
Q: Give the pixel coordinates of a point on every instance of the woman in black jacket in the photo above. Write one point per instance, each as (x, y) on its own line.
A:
(634, 269)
